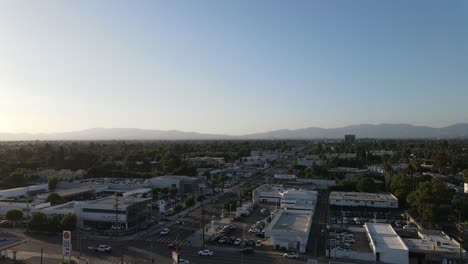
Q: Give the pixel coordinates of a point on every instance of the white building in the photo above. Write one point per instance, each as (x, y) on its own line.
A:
(267, 193)
(24, 191)
(299, 200)
(126, 211)
(290, 229)
(284, 176)
(375, 200)
(386, 245)
(309, 161)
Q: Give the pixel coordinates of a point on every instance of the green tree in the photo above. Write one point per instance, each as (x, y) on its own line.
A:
(54, 199)
(173, 192)
(178, 208)
(189, 202)
(68, 222)
(427, 198)
(366, 184)
(38, 221)
(53, 181)
(53, 224)
(200, 198)
(230, 204)
(14, 215)
(400, 186)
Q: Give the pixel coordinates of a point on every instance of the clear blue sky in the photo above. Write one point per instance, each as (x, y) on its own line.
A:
(231, 66)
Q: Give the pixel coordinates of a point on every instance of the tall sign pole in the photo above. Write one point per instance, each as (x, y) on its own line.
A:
(66, 245)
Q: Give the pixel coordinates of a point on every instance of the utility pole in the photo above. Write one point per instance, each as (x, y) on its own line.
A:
(203, 224)
(116, 215)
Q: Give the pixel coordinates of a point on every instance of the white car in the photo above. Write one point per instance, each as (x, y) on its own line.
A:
(292, 255)
(205, 252)
(101, 248)
(237, 241)
(165, 231)
(183, 261)
(258, 243)
(86, 228)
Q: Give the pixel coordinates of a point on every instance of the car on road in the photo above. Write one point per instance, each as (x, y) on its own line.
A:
(183, 261)
(247, 250)
(86, 228)
(292, 255)
(205, 252)
(101, 248)
(165, 231)
(172, 246)
(179, 222)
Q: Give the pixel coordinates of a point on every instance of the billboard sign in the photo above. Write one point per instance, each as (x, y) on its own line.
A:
(66, 244)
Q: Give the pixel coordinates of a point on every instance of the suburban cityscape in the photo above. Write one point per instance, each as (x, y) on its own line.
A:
(359, 200)
(233, 132)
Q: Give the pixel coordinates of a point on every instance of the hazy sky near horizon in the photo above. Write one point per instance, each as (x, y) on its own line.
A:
(231, 67)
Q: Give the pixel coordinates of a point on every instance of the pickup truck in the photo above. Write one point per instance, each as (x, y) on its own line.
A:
(101, 248)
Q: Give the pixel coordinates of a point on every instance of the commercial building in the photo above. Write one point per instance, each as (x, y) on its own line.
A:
(362, 199)
(267, 193)
(126, 212)
(289, 229)
(434, 246)
(183, 184)
(386, 245)
(298, 200)
(81, 193)
(23, 191)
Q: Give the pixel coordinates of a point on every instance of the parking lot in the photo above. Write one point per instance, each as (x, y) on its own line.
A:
(246, 231)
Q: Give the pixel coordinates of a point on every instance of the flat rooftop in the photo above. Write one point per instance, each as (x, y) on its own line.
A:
(362, 196)
(109, 201)
(384, 237)
(289, 221)
(433, 241)
(7, 243)
(270, 188)
(68, 192)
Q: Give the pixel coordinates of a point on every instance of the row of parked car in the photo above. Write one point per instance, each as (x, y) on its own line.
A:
(221, 236)
(258, 227)
(340, 240)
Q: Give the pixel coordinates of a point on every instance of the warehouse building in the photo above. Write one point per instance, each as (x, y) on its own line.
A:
(362, 199)
(386, 245)
(289, 229)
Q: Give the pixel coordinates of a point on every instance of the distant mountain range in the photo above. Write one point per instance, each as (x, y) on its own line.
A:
(396, 131)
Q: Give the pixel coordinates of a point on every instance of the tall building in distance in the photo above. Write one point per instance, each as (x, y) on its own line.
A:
(349, 138)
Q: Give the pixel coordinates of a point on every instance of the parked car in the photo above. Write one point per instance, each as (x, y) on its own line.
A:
(165, 231)
(205, 252)
(237, 241)
(292, 255)
(86, 228)
(258, 243)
